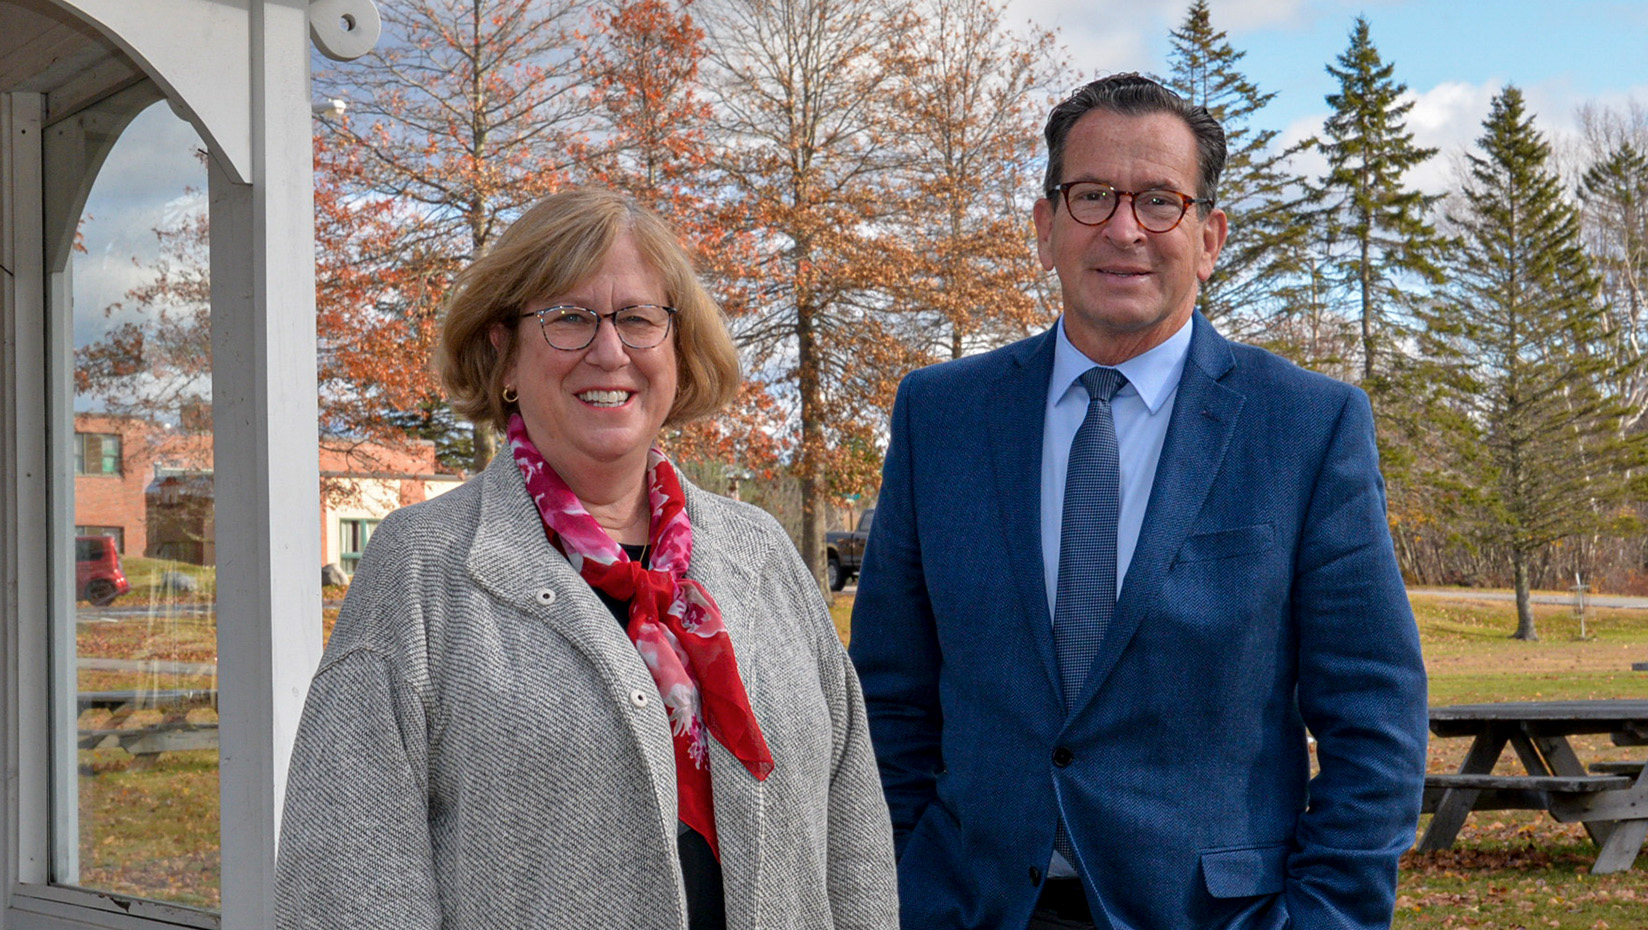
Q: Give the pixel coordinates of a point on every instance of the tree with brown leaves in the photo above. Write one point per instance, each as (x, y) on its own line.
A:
(645, 65)
(465, 113)
(975, 99)
(811, 133)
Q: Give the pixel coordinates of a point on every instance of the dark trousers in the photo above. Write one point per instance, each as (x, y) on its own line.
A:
(1047, 920)
(1062, 906)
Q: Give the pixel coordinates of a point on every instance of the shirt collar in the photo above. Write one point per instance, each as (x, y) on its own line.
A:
(1153, 375)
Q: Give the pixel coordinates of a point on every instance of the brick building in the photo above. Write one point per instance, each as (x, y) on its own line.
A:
(115, 460)
(151, 487)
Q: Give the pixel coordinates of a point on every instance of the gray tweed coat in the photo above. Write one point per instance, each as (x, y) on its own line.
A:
(483, 749)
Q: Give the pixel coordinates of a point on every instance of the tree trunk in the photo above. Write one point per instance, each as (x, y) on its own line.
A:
(809, 464)
(485, 447)
(1365, 275)
(1524, 608)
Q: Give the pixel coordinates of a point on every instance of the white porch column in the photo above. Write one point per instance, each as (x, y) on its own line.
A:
(266, 460)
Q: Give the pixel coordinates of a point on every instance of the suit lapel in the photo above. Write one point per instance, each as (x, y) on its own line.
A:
(1204, 418)
(1017, 406)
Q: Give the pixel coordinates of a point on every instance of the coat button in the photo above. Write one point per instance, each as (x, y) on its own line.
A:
(639, 698)
(1062, 756)
(545, 596)
(1035, 876)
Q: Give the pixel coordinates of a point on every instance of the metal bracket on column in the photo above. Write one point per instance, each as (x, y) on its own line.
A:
(344, 30)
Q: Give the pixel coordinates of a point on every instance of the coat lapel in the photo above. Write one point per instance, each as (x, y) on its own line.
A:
(1204, 418)
(740, 799)
(1018, 408)
(512, 558)
(722, 572)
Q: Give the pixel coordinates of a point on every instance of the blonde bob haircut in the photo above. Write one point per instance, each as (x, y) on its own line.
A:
(555, 245)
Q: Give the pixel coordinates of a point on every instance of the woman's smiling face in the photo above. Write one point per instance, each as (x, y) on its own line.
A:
(602, 405)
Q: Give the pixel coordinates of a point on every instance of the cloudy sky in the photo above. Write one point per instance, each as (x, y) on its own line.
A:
(1454, 55)
(150, 180)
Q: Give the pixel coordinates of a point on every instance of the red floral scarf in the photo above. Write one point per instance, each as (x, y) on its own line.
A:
(673, 622)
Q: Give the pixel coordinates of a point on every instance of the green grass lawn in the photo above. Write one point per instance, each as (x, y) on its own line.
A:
(147, 578)
(1520, 869)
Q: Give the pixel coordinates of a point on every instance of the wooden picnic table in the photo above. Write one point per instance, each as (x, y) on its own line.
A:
(1609, 798)
(174, 733)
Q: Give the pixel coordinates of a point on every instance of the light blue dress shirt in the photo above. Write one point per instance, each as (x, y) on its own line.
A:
(1141, 410)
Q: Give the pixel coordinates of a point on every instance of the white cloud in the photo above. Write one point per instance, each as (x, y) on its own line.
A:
(1448, 118)
(1235, 16)
(1104, 36)
(151, 179)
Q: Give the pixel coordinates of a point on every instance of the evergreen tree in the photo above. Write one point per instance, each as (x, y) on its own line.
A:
(1263, 251)
(1516, 343)
(1377, 228)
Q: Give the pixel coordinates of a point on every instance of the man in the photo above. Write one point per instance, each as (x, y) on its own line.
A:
(1056, 753)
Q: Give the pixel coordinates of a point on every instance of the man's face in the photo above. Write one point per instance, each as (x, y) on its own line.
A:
(1125, 289)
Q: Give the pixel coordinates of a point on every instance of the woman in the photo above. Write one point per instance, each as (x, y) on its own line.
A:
(578, 692)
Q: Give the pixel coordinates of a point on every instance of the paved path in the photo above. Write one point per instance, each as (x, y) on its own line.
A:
(160, 666)
(1538, 597)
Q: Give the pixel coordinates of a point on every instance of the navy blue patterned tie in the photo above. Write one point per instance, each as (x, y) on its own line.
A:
(1087, 535)
(1086, 596)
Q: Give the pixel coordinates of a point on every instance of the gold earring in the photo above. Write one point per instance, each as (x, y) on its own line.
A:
(510, 396)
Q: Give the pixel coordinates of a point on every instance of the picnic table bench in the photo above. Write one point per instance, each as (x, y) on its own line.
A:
(1609, 798)
(174, 733)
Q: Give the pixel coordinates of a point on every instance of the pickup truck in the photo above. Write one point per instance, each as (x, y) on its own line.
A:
(846, 551)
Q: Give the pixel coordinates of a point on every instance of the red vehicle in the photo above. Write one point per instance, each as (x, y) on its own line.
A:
(97, 574)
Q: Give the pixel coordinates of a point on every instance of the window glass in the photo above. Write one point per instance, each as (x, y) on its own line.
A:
(116, 533)
(97, 453)
(355, 534)
(135, 810)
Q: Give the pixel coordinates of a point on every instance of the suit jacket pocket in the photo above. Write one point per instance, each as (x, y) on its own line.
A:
(1224, 544)
(1243, 873)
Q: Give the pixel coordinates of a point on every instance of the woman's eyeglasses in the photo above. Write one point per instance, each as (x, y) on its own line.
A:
(571, 328)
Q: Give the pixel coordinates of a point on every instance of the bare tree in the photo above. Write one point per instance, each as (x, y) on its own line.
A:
(1613, 201)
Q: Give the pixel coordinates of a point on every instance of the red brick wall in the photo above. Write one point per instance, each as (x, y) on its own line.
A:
(118, 500)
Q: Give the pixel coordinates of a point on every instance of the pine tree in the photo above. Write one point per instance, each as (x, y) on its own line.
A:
(1516, 343)
(1377, 227)
(1257, 190)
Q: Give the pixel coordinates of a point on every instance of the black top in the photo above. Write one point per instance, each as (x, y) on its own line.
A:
(700, 872)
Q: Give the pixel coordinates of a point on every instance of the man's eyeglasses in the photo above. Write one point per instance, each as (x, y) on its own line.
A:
(571, 328)
(1093, 203)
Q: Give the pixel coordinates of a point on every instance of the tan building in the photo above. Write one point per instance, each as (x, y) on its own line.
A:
(362, 483)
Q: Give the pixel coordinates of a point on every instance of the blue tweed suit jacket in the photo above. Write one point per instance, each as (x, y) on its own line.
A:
(1263, 599)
